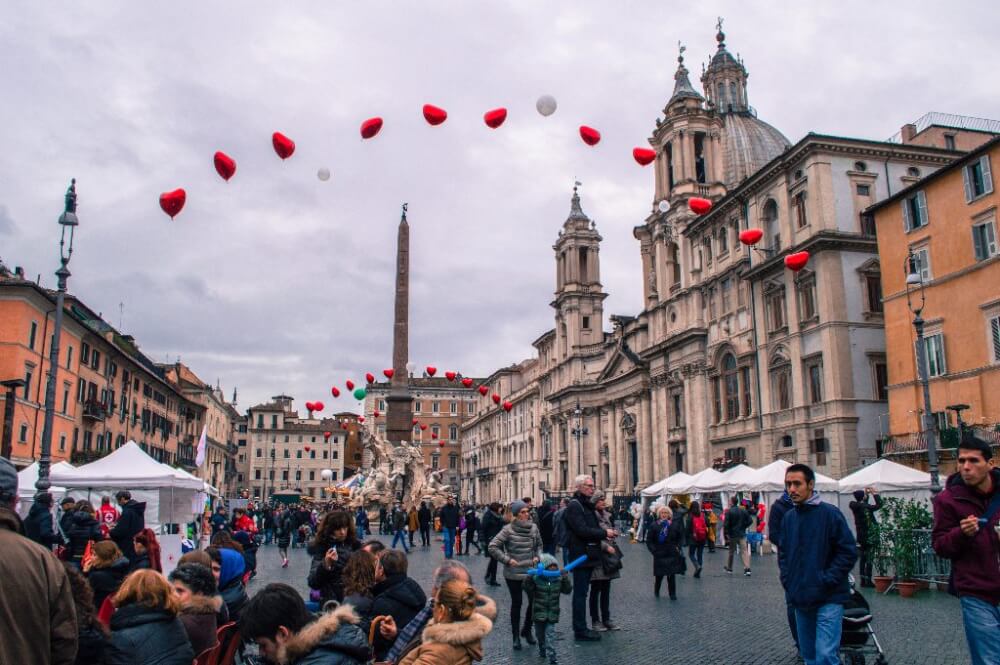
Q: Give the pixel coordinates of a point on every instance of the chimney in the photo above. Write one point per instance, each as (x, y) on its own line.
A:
(18, 272)
(908, 131)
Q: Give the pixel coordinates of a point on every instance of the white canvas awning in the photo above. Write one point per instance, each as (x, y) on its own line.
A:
(28, 476)
(886, 476)
(735, 479)
(771, 478)
(126, 468)
(660, 488)
(706, 478)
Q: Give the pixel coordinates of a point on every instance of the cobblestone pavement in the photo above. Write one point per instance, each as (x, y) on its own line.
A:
(719, 619)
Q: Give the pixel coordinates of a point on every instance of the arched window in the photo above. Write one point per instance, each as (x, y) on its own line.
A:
(731, 383)
(770, 216)
(674, 256)
(781, 382)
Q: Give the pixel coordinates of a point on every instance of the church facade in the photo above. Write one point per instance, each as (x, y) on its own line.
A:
(733, 358)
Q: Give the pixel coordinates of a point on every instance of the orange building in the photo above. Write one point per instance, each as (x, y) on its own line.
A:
(944, 228)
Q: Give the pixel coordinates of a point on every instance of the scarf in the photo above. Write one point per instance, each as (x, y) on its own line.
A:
(664, 530)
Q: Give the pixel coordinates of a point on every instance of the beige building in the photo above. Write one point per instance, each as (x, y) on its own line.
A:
(289, 453)
(734, 358)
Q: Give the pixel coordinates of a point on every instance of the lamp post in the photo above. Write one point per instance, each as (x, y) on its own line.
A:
(7, 446)
(68, 221)
(915, 287)
(579, 432)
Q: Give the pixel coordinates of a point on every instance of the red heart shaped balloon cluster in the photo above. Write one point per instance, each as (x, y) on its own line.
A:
(336, 391)
(369, 377)
(431, 370)
(450, 375)
(388, 373)
(467, 382)
(508, 405)
(349, 384)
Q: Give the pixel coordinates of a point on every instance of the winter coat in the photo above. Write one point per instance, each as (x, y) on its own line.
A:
(82, 529)
(736, 523)
(582, 529)
(38, 525)
(668, 557)
(66, 521)
(544, 592)
(599, 575)
(131, 522)
(449, 516)
(546, 527)
(361, 520)
(92, 647)
(485, 606)
(283, 530)
(399, 597)
(975, 560)
(36, 591)
(231, 588)
(518, 541)
(219, 523)
(864, 516)
(412, 521)
(105, 581)
(398, 520)
(776, 518)
(363, 608)
(492, 525)
(334, 638)
(328, 581)
(559, 533)
(424, 515)
(141, 562)
(148, 636)
(471, 521)
(817, 552)
(199, 617)
(681, 516)
(453, 643)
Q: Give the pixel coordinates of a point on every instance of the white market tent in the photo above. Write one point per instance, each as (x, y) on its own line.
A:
(886, 476)
(734, 479)
(660, 488)
(771, 478)
(26, 479)
(694, 485)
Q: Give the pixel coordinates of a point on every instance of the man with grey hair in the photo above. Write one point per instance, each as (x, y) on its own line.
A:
(410, 637)
(36, 591)
(583, 537)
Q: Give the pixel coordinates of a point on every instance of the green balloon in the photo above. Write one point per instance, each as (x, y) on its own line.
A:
(359, 393)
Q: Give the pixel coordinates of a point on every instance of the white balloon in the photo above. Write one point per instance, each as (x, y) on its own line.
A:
(323, 174)
(326, 474)
(546, 105)
(663, 205)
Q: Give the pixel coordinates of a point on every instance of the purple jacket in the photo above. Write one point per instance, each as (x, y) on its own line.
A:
(975, 560)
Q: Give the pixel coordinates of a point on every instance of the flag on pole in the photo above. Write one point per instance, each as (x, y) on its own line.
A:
(200, 456)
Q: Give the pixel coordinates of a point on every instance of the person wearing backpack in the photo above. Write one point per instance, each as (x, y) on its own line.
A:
(696, 528)
(735, 527)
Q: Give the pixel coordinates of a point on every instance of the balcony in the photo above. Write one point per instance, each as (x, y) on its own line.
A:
(78, 457)
(94, 410)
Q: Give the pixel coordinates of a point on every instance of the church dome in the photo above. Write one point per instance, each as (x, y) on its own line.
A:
(748, 143)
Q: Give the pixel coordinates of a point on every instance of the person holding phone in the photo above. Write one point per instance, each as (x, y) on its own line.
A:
(864, 519)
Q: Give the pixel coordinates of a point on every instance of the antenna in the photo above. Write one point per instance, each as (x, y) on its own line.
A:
(121, 314)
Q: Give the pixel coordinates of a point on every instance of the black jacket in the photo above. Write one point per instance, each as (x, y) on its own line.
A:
(492, 525)
(329, 582)
(146, 636)
(38, 525)
(736, 522)
(131, 522)
(776, 517)
(668, 557)
(92, 647)
(82, 529)
(105, 581)
(234, 595)
(547, 525)
(449, 516)
(864, 515)
(582, 528)
(334, 638)
(471, 521)
(424, 515)
(401, 598)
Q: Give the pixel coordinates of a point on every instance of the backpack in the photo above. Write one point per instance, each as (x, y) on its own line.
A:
(699, 529)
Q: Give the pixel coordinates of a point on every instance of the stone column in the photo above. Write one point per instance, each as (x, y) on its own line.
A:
(619, 443)
(659, 434)
(697, 404)
(644, 433)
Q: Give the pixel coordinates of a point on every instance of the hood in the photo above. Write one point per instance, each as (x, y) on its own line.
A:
(812, 501)
(547, 560)
(119, 565)
(10, 521)
(137, 506)
(467, 634)
(336, 630)
(955, 481)
(82, 519)
(200, 604)
(136, 615)
(233, 565)
(522, 528)
(403, 590)
(486, 606)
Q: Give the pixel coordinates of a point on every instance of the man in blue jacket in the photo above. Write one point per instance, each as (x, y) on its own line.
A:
(816, 553)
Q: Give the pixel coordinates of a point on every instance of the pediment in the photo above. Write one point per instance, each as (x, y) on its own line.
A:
(623, 361)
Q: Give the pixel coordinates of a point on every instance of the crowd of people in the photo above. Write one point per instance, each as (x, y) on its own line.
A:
(88, 588)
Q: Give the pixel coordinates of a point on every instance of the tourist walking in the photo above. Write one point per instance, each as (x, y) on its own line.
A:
(696, 535)
(864, 518)
(333, 545)
(775, 519)
(583, 537)
(145, 629)
(456, 635)
(609, 568)
(283, 528)
(38, 525)
(471, 529)
(383, 523)
(816, 555)
(544, 592)
(518, 547)
(664, 538)
(966, 523)
(492, 525)
(735, 528)
(712, 519)
(361, 522)
(425, 518)
(449, 515)
(398, 519)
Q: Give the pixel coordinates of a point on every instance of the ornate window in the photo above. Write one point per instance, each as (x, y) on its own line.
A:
(781, 382)
(871, 284)
(723, 241)
(774, 302)
(771, 227)
(799, 203)
(731, 384)
(813, 372)
(805, 290)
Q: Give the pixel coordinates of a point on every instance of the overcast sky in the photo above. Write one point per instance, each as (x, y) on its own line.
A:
(278, 282)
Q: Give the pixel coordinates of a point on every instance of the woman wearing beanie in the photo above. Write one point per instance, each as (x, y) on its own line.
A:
(518, 547)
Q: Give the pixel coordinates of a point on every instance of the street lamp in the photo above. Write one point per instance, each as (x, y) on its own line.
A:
(7, 446)
(579, 432)
(69, 221)
(915, 287)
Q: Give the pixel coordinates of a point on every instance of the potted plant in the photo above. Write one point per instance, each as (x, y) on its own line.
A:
(878, 545)
(907, 521)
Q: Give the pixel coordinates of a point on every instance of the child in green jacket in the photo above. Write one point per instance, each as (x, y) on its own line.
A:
(544, 592)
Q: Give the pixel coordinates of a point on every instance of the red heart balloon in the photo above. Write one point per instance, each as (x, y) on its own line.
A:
(423, 427)
(283, 145)
(796, 262)
(308, 448)
(309, 406)
(369, 377)
(349, 384)
(434, 115)
(336, 391)
(416, 422)
(590, 135)
(483, 390)
(507, 406)
(388, 373)
(496, 398)
(751, 236)
(441, 444)
(467, 382)
(431, 370)
(361, 419)
(495, 118)
(434, 435)
(317, 406)
(225, 165)
(343, 425)
(327, 435)
(371, 127)
(644, 156)
(173, 202)
(450, 375)
(699, 206)
(376, 414)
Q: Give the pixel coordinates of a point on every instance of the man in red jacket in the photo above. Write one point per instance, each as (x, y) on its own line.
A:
(966, 527)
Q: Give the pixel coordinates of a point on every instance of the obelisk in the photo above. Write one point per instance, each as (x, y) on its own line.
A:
(399, 423)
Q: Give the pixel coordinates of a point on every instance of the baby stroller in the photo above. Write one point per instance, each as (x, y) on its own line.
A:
(857, 639)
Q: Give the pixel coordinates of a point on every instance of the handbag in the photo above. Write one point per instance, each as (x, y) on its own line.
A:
(611, 562)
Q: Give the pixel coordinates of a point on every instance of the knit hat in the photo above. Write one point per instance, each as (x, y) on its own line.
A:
(517, 506)
(8, 482)
(547, 560)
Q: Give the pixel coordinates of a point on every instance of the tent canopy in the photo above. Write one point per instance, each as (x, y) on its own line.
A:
(28, 476)
(126, 468)
(735, 479)
(886, 476)
(658, 488)
(771, 478)
(696, 483)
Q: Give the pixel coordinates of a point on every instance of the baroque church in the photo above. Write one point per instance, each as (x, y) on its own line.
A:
(733, 358)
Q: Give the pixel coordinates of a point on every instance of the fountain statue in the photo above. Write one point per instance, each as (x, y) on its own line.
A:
(397, 473)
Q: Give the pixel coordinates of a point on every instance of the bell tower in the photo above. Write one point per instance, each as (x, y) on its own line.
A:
(579, 296)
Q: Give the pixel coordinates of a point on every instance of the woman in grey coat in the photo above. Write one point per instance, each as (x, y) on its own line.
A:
(518, 547)
(600, 579)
